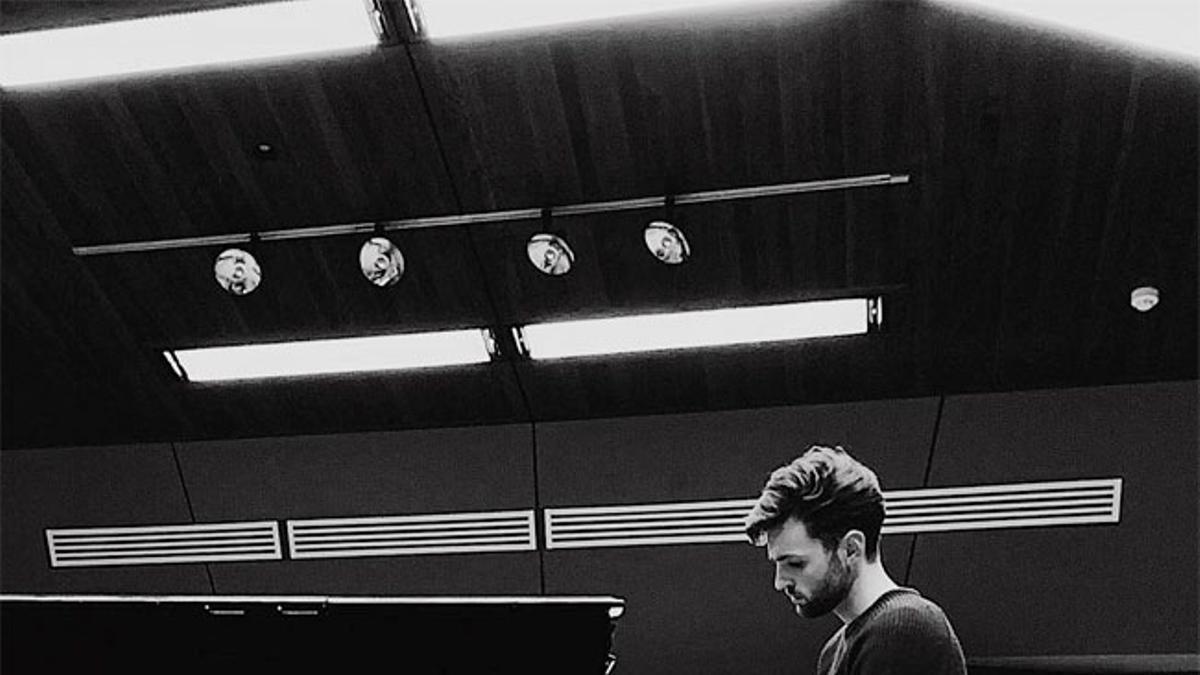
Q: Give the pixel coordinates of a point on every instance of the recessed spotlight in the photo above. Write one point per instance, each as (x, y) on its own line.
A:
(237, 271)
(550, 254)
(381, 261)
(666, 242)
(1144, 298)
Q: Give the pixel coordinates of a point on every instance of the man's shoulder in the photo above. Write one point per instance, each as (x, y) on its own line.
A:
(909, 601)
(908, 633)
(905, 611)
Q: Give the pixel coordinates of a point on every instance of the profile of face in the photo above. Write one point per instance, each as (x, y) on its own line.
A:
(814, 578)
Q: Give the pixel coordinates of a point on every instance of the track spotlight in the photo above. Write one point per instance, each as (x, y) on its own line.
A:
(381, 261)
(237, 271)
(666, 242)
(550, 254)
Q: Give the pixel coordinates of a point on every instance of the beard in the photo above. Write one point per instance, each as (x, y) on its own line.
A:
(833, 590)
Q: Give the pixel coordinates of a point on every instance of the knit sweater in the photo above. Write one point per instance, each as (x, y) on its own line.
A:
(902, 633)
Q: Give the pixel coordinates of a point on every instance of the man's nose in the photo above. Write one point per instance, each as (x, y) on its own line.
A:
(780, 583)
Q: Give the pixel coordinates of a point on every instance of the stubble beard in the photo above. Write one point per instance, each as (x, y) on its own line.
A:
(833, 590)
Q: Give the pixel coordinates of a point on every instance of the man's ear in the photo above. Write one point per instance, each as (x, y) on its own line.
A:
(854, 543)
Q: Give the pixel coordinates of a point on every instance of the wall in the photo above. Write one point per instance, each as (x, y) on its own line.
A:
(704, 608)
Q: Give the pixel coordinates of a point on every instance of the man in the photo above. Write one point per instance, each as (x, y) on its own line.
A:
(819, 518)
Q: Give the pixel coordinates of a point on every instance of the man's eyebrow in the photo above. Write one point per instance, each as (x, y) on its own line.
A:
(784, 556)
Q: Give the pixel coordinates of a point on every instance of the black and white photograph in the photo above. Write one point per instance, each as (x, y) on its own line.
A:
(600, 337)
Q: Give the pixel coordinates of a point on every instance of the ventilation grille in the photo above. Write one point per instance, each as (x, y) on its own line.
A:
(412, 535)
(983, 507)
(151, 545)
(692, 523)
(928, 510)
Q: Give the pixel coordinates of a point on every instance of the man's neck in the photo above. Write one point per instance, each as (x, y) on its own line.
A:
(872, 582)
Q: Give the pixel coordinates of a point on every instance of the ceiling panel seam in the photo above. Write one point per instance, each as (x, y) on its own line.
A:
(458, 204)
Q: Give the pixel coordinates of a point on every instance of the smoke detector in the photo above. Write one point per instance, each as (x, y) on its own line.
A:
(1144, 298)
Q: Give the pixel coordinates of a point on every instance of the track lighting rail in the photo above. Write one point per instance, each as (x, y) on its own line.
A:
(314, 232)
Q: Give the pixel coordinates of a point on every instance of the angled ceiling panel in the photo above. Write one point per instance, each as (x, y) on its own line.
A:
(642, 106)
(176, 155)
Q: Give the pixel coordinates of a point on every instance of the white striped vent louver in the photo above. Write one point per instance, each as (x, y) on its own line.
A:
(159, 544)
(644, 525)
(412, 535)
(928, 510)
(986, 507)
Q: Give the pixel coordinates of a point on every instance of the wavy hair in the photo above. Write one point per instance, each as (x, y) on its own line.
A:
(826, 489)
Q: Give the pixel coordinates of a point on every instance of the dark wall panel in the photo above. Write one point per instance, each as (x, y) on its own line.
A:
(110, 486)
(711, 608)
(1095, 589)
(723, 455)
(372, 474)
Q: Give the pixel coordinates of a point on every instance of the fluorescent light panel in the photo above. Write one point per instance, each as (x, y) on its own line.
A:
(326, 357)
(1171, 26)
(175, 41)
(452, 18)
(708, 328)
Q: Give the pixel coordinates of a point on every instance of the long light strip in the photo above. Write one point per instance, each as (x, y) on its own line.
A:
(169, 42)
(706, 328)
(325, 357)
(454, 18)
(1169, 26)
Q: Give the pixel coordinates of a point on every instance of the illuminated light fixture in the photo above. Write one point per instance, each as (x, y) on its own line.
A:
(1168, 26)
(381, 261)
(666, 242)
(550, 254)
(455, 18)
(237, 271)
(177, 41)
(706, 328)
(330, 357)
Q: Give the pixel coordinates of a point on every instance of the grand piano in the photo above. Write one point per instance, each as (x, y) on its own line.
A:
(302, 634)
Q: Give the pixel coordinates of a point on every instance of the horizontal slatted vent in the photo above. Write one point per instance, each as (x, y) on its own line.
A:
(412, 535)
(1078, 502)
(645, 525)
(927, 510)
(161, 544)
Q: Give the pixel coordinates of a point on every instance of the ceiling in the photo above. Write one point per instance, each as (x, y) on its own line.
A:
(1049, 177)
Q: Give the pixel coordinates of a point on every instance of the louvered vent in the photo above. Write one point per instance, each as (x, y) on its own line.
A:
(930, 510)
(644, 525)
(412, 535)
(1077, 502)
(159, 544)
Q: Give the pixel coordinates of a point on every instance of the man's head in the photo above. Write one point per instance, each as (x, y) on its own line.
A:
(819, 518)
